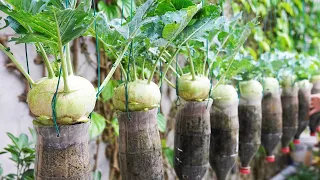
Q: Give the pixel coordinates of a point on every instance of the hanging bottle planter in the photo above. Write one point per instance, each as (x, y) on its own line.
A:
(271, 130)
(250, 122)
(290, 110)
(315, 118)
(192, 139)
(304, 105)
(64, 157)
(224, 130)
(140, 151)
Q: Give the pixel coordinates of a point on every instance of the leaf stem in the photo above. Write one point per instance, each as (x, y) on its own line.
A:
(46, 61)
(167, 68)
(170, 83)
(69, 63)
(155, 64)
(179, 67)
(63, 60)
(114, 67)
(124, 73)
(216, 55)
(18, 65)
(191, 62)
(142, 70)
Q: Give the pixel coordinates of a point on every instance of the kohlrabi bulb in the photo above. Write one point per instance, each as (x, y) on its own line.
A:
(250, 89)
(270, 84)
(76, 104)
(194, 90)
(141, 96)
(225, 94)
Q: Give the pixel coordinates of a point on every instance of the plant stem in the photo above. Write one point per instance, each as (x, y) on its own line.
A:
(155, 65)
(69, 63)
(46, 61)
(172, 68)
(169, 83)
(142, 70)
(167, 68)
(191, 62)
(216, 55)
(63, 60)
(114, 67)
(18, 65)
(124, 73)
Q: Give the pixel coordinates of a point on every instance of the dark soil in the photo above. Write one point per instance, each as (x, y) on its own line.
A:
(65, 157)
(224, 138)
(140, 146)
(192, 140)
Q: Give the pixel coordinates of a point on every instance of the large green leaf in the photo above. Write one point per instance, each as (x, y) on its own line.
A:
(162, 122)
(43, 26)
(98, 123)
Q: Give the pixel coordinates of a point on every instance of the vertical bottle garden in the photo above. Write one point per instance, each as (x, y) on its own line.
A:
(61, 108)
(224, 111)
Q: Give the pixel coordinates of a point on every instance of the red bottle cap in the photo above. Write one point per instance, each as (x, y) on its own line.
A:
(296, 141)
(318, 128)
(270, 159)
(245, 170)
(285, 150)
(312, 134)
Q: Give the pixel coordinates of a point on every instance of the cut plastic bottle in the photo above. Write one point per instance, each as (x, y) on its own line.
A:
(140, 146)
(192, 139)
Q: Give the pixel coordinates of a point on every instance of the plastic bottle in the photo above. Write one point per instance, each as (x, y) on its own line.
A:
(304, 106)
(271, 130)
(65, 157)
(192, 139)
(224, 130)
(250, 117)
(290, 110)
(140, 146)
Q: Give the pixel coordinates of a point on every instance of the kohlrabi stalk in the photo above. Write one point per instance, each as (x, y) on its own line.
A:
(63, 60)
(46, 60)
(216, 55)
(167, 68)
(18, 65)
(69, 63)
(191, 62)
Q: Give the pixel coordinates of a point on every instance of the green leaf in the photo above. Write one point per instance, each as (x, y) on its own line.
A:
(169, 31)
(29, 6)
(180, 4)
(111, 11)
(28, 175)
(98, 124)
(288, 7)
(108, 91)
(97, 175)
(23, 141)
(115, 125)
(33, 135)
(169, 153)
(14, 139)
(162, 122)
(72, 23)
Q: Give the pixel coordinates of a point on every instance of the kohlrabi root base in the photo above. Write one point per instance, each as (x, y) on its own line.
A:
(192, 140)
(65, 157)
(140, 146)
(250, 117)
(271, 130)
(224, 130)
(304, 106)
(141, 96)
(290, 111)
(71, 107)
